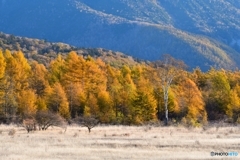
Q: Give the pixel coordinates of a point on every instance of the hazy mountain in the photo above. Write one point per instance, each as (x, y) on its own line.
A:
(202, 33)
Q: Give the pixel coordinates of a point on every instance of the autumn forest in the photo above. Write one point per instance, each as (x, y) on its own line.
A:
(73, 86)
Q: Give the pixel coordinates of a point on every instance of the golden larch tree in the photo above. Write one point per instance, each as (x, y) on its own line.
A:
(57, 101)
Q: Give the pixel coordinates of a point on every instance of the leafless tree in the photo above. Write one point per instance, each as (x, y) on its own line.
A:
(29, 124)
(89, 122)
(45, 119)
(167, 70)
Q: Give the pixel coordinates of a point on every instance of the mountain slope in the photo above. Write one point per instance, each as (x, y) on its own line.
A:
(202, 33)
(43, 51)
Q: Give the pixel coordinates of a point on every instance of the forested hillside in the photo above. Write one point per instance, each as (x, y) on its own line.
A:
(82, 86)
(43, 51)
(201, 33)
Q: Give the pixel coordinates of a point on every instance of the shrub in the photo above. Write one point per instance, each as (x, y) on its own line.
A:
(45, 119)
(29, 124)
(89, 122)
(12, 132)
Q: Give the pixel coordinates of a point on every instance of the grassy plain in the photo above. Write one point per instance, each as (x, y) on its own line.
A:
(118, 143)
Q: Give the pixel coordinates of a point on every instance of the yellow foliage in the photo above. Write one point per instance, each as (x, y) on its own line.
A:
(2, 65)
(91, 107)
(56, 70)
(41, 104)
(191, 101)
(57, 101)
(105, 105)
(26, 102)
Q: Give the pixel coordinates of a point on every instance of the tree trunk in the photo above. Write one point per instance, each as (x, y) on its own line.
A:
(116, 110)
(166, 117)
(158, 110)
(166, 105)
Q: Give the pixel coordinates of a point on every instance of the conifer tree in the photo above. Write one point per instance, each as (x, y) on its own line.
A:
(218, 95)
(114, 87)
(10, 85)
(2, 81)
(105, 106)
(144, 103)
(23, 70)
(56, 70)
(191, 102)
(57, 101)
(26, 100)
(127, 93)
(2, 65)
(74, 69)
(38, 78)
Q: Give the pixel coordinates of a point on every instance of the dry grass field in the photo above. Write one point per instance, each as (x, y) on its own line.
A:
(117, 142)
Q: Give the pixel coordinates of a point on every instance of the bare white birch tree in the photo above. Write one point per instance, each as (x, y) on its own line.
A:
(167, 70)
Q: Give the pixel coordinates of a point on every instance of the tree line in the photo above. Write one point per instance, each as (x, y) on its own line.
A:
(75, 86)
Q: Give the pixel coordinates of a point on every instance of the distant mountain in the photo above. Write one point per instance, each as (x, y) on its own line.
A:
(202, 33)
